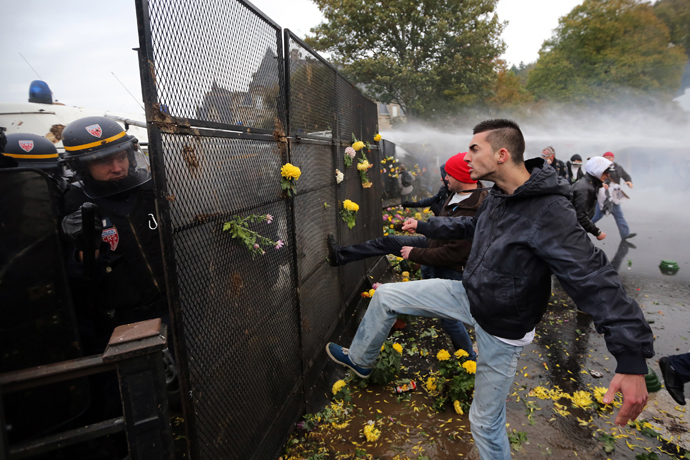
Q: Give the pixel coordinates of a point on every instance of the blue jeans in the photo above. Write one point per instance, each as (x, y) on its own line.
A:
(496, 364)
(618, 215)
(392, 245)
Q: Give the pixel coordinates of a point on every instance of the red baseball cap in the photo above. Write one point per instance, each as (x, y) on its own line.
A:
(609, 154)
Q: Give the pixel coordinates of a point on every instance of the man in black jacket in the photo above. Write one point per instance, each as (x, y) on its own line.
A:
(574, 168)
(549, 155)
(585, 192)
(525, 230)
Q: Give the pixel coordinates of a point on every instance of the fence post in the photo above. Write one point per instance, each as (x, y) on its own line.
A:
(137, 351)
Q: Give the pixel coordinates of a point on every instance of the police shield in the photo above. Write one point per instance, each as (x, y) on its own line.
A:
(37, 323)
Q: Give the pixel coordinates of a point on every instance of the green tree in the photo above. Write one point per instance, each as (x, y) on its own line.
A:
(676, 15)
(605, 48)
(429, 56)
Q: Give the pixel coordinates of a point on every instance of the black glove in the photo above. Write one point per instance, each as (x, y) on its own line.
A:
(408, 204)
(73, 227)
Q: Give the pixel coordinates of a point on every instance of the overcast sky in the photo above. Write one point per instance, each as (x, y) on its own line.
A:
(76, 46)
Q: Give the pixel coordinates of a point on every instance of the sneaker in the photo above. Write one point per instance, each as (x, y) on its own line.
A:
(672, 381)
(630, 235)
(332, 250)
(342, 356)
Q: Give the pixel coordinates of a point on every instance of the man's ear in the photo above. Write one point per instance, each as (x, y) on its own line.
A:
(502, 156)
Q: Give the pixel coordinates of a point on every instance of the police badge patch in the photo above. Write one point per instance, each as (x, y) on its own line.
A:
(111, 236)
(95, 130)
(27, 146)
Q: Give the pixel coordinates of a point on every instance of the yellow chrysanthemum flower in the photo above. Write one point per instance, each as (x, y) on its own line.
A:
(582, 399)
(470, 366)
(392, 226)
(371, 292)
(383, 346)
(418, 215)
(350, 205)
(540, 392)
(377, 137)
(397, 347)
(289, 171)
(405, 274)
(458, 407)
(430, 384)
(337, 386)
(461, 354)
(443, 355)
(405, 280)
(359, 145)
(599, 393)
(371, 432)
(363, 166)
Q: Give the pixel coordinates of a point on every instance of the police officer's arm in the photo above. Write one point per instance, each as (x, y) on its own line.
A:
(587, 276)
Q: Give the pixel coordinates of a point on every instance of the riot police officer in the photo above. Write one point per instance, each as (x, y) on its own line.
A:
(128, 270)
(34, 151)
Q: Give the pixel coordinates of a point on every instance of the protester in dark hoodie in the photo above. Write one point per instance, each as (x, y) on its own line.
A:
(585, 193)
(574, 168)
(440, 258)
(525, 230)
(435, 203)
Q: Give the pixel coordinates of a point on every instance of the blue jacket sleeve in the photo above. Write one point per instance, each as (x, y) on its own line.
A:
(587, 276)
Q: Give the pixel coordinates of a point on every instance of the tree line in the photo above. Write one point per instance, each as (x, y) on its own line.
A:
(439, 59)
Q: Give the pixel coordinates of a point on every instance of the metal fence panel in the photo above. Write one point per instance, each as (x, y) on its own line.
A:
(249, 327)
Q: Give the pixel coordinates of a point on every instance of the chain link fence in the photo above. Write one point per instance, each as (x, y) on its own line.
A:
(230, 98)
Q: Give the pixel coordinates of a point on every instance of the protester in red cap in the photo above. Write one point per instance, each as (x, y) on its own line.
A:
(443, 259)
(616, 196)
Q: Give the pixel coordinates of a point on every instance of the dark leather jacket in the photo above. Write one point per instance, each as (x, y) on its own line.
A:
(450, 253)
(518, 241)
(585, 192)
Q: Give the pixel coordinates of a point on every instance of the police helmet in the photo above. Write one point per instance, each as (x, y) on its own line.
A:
(32, 151)
(91, 141)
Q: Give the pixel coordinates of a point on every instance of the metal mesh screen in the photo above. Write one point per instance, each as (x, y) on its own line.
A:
(219, 86)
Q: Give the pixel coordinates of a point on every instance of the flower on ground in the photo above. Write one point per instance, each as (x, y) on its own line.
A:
(366, 295)
(461, 354)
(350, 152)
(599, 393)
(289, 171)
(280, 244)
(443, 355)
(470, 366)
(540, 392)
(458, 407)
(359, 145)
(339, 176)
(430, 384)
(350, 205)
(377, 137)
(371, 432)
(397, 347)
(269, 218)
(582, 399)
(337, 386)
(363, 166)
(372, 292)
(340, 426)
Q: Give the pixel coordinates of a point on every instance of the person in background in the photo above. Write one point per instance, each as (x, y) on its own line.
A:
(549, 155)
(586, 190)
(616, 196)
(442, 258)
(676, 372)
(574, 168)
(436, 202)
(34, 151)
(406, 179)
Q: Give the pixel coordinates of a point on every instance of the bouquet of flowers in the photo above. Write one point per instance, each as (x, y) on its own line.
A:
(349, 156)
(363, 167)
(290, 175)
(349, 213)
(239, 228)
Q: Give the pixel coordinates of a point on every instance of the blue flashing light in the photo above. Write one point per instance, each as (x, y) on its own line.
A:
(40, 92)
